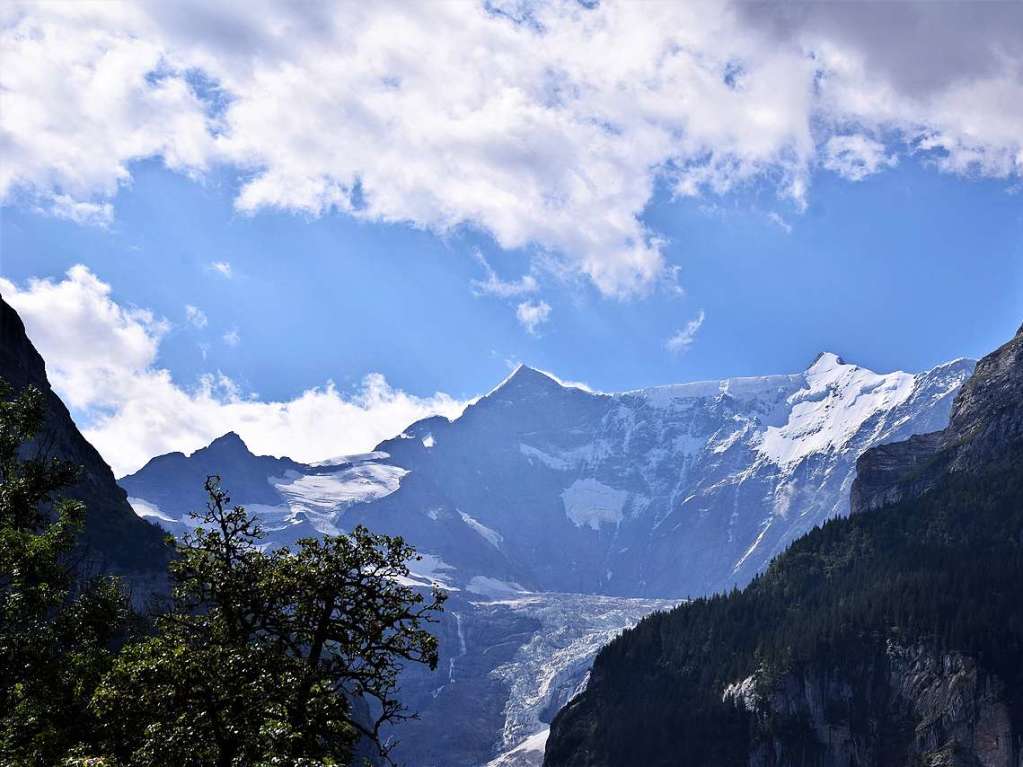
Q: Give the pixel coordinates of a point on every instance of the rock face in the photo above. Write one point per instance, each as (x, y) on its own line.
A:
(985, 422)
(922, 706)
(115, 539)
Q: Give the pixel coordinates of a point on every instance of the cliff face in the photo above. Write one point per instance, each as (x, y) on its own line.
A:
(985, 422)
(891, 638)
(115, 539)
(905, 705)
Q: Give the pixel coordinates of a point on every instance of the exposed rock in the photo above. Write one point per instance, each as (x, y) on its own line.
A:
(985, 422)
(906, 706)
(115, 539)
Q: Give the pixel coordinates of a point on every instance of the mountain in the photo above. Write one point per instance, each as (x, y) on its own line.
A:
(551, 511)
(891, 637)
(664, 492)
(114, 539)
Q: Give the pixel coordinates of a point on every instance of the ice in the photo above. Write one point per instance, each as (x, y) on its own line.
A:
(493, 537)
(589, 502)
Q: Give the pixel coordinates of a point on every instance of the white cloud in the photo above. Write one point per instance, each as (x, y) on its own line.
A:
(196, 317)
(231, 337)
(683, 339)
(532, 314)
(775, 218)
(223, 268)
(495, 286)
(86, 213)
(546, 125)
(71, 321)
(857, 156)
(131, 409)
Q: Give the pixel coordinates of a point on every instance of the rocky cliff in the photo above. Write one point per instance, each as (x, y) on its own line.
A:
(985, 422)
(115, 539)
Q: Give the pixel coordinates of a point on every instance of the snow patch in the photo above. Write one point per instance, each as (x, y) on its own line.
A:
(494, 588)
(429, 570)
(322, 493)
(148, 510)
(528, 753)
(834, 403)
(589, 502)
(492, 537)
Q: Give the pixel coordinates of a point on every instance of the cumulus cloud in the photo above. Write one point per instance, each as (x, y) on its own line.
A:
(131, 409)
(86, 213)
(682, 339)
(547, 125)
(856, 157)
(196, 317)
(232, 337)
(533, 314)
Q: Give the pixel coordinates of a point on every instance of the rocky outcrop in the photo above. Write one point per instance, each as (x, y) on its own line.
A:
(115, 539)
(986, 420)
(903, 705)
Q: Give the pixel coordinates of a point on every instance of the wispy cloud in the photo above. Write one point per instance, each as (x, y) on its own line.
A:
(195, 316)
(99, 214)
(495, 286)
(223, 268)
(682, 339)
(232, 337)
(533, 314)
(776, 219)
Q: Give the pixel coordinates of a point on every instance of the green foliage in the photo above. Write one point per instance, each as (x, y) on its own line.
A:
(941, 571)
(262, 652)
(54, 631)
(257, 660)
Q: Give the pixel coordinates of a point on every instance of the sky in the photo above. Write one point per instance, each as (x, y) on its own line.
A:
(315, 224)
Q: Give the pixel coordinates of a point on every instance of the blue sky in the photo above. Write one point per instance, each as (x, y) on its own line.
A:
(759, 189)
(902, 270)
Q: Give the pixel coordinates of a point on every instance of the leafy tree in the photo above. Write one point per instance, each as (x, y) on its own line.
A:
(262, 653)
(54, 631)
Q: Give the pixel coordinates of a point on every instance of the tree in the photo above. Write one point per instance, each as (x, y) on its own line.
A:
(55, 632)
(262, 653)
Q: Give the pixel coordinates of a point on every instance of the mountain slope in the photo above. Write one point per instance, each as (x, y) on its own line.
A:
(114, 539)
(892, 637)
(662, 492)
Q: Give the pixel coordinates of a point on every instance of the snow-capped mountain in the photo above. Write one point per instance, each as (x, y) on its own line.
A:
(550, 511)
(664, 492)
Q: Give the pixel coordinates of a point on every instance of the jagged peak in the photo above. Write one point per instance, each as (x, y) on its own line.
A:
(523, 377)
(228, 441)
(826, 361)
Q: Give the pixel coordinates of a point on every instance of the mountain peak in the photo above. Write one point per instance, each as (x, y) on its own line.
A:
(826, 361)
(523, 377)
(228, 441)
